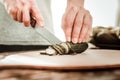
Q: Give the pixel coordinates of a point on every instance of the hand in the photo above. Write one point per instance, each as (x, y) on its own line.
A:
(20, 11)
(76, 22)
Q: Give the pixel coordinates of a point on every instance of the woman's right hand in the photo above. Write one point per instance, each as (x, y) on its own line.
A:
(20, 11)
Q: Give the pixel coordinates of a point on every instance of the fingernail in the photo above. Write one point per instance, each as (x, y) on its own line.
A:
(75, 40)
(68, 39)
(80, 41)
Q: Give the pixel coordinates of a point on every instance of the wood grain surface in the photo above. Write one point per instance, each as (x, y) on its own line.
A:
(27, 74)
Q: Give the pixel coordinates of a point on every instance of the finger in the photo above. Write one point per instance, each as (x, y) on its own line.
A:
(32, 21)
(13, 13)
(26, 16)
(68, 22)
(86, 36)
(89, 28)
(82, 33)
(36, 14)
(85, 39)
(77, 26)
(86, 28)
(19, 15)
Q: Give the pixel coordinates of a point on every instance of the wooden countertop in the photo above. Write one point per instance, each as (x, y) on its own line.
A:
(27, 74)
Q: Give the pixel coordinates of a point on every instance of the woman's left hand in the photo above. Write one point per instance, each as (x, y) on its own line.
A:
(76, 23)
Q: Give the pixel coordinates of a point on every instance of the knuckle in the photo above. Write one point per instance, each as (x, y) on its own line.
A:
(12, 11)
(78, 23)
(89, 15)
(68, 31)
(81, 8)
(67, 18)
(23, 2)
(77, 29)
(68, 35)
(75, 35)
(70, 22)
(85, 24)
(87, 12)
(16, 7)
(65, 26)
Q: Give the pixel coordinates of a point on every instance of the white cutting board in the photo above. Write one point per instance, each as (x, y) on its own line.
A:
(90, 59)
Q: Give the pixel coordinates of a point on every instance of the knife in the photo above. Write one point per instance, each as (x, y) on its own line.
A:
(51, 38)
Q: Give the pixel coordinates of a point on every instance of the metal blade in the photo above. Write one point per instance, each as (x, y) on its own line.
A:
(51, 38)
(44, 32)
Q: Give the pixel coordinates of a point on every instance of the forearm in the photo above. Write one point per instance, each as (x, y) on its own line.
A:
(78, 3)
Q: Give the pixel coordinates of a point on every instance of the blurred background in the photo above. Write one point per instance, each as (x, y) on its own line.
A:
(104, 12)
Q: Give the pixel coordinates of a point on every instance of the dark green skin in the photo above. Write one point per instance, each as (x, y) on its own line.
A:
(73, 48)
(78, 48)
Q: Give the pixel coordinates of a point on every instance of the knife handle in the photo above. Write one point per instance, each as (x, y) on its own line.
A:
(32, 21)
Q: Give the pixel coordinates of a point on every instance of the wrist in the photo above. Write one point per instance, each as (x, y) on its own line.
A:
(77, 3)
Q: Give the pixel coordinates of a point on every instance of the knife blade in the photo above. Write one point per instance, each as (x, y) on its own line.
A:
(51, 38)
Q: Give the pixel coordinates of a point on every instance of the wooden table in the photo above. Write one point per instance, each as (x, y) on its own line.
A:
(39, 74)
(26, 74)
